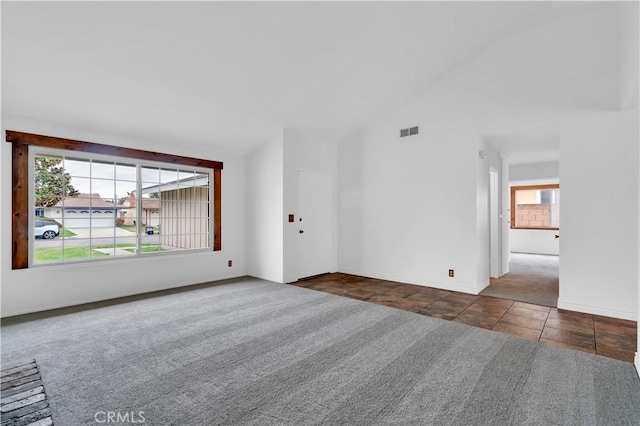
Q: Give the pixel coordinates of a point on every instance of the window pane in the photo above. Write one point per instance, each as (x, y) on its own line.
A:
(186, 176)
(124, 189)
(102, 169)
(168, 175)
(202, 179)
(46, 250)
(126, 172)
(77, 167)
(150, 174)
(102, 189)
(125, 246)
(537, 208)
(73, 249)
(79, 186)
(102, 246)
(50, 181)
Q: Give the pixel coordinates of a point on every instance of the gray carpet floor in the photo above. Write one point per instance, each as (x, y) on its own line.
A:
(250, 352)
(532, 278)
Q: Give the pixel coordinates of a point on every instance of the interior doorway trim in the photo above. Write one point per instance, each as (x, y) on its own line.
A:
(495, 252)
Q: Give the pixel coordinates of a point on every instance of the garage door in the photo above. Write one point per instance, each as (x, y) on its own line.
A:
(86, 222)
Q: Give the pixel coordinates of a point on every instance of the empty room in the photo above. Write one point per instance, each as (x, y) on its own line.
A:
(320, 213)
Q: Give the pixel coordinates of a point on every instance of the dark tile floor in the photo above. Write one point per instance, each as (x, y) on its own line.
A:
(605, 336)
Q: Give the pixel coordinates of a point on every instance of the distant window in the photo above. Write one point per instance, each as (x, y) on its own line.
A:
(39, 212)
(535, 207)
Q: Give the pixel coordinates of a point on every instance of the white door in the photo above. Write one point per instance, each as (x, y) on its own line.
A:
(315, 234)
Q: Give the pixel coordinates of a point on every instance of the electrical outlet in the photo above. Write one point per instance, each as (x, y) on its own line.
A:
(451, 273)
(230, 263)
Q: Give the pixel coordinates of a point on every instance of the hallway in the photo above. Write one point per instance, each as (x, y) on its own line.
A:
(532, 278)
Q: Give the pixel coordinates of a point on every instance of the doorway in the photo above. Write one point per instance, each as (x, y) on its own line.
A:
(532, 278)
(315, 223)
(529, 156)
(533, 275)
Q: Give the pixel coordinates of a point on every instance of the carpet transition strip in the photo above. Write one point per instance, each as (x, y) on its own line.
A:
(23, 401)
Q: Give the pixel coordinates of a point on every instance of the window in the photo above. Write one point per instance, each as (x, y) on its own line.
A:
(97, 182)
(117, 190)
(535, 207)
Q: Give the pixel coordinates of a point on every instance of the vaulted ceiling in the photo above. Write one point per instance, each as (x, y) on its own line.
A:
(230, 74)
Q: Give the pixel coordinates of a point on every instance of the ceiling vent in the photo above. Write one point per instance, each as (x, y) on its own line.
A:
(409, 132)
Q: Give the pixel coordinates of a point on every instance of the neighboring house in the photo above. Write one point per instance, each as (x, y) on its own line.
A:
(150, 211)
(184, 211)
(82, 211)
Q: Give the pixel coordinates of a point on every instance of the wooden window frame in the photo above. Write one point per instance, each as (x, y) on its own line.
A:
(513, 204)
(20, 182)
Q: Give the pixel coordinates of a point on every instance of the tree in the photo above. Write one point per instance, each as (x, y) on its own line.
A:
(52, 183)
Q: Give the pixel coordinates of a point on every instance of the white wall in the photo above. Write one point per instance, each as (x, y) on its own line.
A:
(47, 287)
(407, 206)
(272, 196)
(599, 243)
(304, 151)
(534, 172)
(535, 241)
(629, 54)
(265, 197)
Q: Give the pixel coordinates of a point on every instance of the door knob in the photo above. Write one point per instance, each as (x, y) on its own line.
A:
(557, 236)
(301, 231)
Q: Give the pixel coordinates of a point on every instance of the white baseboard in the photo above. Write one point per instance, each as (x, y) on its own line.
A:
(463, 288)
(637, 363)
(632, 316)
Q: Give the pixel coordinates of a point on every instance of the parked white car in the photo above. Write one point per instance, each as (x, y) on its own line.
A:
(46, 230)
